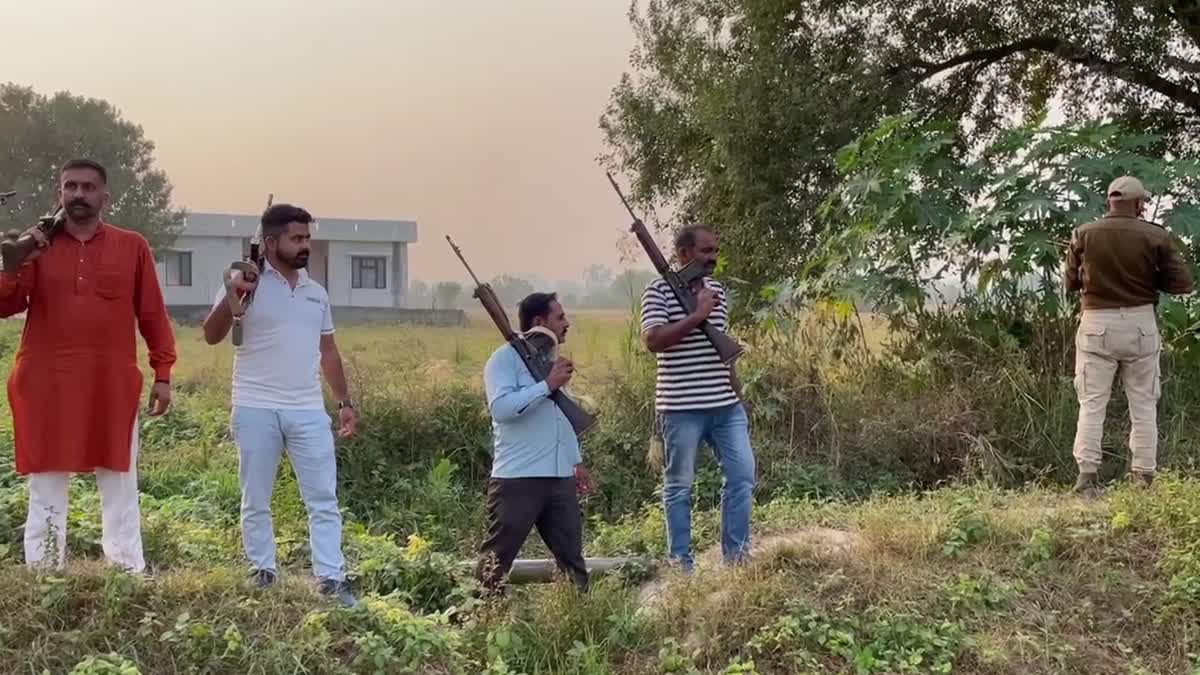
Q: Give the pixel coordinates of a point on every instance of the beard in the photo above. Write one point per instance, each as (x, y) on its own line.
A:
(296, 262)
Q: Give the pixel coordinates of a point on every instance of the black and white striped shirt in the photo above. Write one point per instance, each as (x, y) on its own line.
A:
(690, 374)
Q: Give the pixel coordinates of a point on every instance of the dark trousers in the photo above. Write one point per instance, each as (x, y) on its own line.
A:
(516, 505)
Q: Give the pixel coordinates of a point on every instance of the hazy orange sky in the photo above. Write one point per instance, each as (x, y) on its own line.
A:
(478, 119)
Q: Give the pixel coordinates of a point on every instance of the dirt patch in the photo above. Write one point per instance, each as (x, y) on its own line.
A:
(821, 542)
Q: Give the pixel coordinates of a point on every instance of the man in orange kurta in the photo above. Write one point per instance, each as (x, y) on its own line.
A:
(75, 385)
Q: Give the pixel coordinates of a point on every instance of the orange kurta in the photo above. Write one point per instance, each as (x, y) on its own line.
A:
(75, 387)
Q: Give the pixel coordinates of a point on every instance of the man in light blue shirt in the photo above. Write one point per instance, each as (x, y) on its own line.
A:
(537, 469)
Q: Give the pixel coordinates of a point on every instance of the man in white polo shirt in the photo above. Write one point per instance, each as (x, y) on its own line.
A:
(277, 399)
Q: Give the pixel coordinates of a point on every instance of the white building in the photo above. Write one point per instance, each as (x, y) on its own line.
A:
(361, 263)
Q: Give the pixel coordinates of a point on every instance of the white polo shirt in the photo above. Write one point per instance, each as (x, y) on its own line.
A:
(278, 364)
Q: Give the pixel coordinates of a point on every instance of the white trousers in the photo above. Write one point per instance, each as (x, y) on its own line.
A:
(121, 533)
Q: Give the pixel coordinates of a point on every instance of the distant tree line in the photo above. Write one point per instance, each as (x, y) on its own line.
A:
(599, 288)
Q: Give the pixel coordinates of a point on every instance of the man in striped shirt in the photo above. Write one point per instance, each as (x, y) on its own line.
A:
(697, 399)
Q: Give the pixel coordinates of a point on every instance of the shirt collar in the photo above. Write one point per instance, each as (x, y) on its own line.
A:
(98, 235)
(268, 267)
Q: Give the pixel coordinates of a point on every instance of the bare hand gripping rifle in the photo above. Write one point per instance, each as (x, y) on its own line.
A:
(581, 421)
(16, 245)
(680, 282)
(248, 269)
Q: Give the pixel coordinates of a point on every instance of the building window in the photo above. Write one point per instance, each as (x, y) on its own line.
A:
(368, 272)
(178, 268)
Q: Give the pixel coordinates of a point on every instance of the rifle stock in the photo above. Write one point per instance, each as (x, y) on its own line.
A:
(727, 348)
(579, 419)
(17, 246)
(491, 304)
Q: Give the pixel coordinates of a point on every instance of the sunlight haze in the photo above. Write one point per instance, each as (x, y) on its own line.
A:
(478, 119)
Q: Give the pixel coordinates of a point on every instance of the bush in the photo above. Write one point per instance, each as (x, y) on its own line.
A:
(109, 664)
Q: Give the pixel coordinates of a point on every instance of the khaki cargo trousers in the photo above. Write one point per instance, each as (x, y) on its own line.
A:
(1109, 341)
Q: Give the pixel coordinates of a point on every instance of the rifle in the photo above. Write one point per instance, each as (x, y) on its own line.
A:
(581, 421)
(680, 282)
(247, 269)
(15, 247)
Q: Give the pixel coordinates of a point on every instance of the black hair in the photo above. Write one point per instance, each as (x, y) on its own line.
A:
(82, 163)
(686, 237)
(534, 306)
(276, 218)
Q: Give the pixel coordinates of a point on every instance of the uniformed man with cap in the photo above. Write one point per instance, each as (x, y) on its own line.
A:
(1119, 264)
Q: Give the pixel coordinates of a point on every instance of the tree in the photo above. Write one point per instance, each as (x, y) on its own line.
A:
(419, 294)
(911, 213)
(445, 294)
(1137, 61)
(739, 106)
(41, 133)
(596, 277)
(511, 290)
(734, 119)
(626, 289)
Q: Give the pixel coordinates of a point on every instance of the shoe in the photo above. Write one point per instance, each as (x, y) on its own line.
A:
(339, 590)
(1142, 479)
(263, 578)
(686, 566)
(1088, 485)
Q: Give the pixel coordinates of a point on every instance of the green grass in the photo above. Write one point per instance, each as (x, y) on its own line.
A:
(381, 358)
(960, 580)
(884, 554)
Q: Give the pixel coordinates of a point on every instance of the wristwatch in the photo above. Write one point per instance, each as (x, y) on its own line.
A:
(344, 404)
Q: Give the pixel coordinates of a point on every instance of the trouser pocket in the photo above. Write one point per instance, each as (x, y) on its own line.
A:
(1149, 340)
(1091, 337)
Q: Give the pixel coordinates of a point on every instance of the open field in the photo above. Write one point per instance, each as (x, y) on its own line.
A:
(877, 555)
(407, 352)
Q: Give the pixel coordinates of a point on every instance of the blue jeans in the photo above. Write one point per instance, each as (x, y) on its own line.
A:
(261, 435)
(727, 431)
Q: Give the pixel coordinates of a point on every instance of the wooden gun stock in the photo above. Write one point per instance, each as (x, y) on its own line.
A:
(17, 246)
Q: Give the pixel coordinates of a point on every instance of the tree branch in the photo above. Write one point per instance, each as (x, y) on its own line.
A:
(1069, 52)
(1187, 14)
(980, 56)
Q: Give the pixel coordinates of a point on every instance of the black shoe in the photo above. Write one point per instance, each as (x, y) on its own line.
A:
(1142, 479)
(339, 590)
(263, 578)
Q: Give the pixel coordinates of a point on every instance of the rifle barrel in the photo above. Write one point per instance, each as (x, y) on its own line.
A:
(621, 195)
(464, 261)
